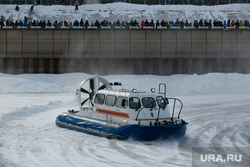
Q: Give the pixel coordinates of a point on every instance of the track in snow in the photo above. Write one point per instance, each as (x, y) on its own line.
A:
(29, 136)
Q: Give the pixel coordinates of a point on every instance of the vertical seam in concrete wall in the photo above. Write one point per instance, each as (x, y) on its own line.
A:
(84, 43)
(68, 44)
(22, 44)
(83, 47)
(130, 44)
(176, 43)
(37, 45)
(160, 44)
(145, 51)
(99, 43)
(236, 44)
(220, 44)
(114, 37)
(191, 44)
(6, 43)
(206, 44)
(53, 39)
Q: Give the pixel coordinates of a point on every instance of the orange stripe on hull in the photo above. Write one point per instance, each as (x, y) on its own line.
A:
(113, 113)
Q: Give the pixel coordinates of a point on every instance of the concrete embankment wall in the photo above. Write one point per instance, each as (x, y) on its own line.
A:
(160, 52)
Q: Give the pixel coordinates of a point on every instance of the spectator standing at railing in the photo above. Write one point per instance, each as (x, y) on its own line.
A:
(2, 20)
(20, 23)
(237, 24)
(76, 4)
(182, 24)
(97, 24)
(246, 23)
(35, 3)
(228, 23)
(65, 23)
(43, 24)
(7, 22)
(16, 24)
(152, 24)
(172, 24)
(225, 25)
(177, 23)
(81, 23)
(210, 24)
(86, 24)
(49, 24)
(232, 23)
(163, 23)
(187, 24)
(142, 24)
(55, 24)
(201, 23)
(157, 24)
(25, 22)
(241, 23)
(76, 23)
(70, 25)
(118, 23)
(196, 25)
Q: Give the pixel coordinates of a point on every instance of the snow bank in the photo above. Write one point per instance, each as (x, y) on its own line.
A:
(126, 12)
(212, 83)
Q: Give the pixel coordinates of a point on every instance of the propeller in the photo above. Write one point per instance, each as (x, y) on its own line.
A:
(91, 92)
(102, 87)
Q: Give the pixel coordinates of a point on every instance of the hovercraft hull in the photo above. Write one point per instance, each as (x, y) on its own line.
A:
(110, 130)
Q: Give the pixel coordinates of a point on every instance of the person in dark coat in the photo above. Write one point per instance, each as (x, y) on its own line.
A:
(152, 24)
(81, 23)
(157, 24)
(32, 8)
(237, 24)
(163, 23)
(17, 8)
(49, 24)
(196, 25)
(76, 5)
(86, 24)
(43, 24)
(201, 23)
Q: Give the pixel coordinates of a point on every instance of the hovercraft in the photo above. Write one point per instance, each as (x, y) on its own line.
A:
(114, 112)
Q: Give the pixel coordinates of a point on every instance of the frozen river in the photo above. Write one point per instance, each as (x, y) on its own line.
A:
(29, 136)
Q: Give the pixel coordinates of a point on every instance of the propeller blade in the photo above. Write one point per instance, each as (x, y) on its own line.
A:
(92, 84)
(84, 91)
(102, 87)
(84, 101)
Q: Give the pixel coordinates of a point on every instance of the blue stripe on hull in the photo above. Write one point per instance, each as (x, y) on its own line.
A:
(107, 129)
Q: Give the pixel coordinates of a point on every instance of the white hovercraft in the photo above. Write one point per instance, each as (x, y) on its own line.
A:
(115, 112)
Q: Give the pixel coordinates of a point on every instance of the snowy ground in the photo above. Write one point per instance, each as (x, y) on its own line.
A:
(216, 106)
(126, 12)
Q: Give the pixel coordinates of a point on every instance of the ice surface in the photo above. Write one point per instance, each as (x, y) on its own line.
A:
(216, 106)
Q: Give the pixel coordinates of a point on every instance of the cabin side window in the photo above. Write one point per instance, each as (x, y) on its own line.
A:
(134, 103)
(110, 100)
(148, 102)
(121, 102)
(161, 102)
(99, 99)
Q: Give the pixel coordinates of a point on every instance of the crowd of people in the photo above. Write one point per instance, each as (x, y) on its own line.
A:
(84, 24)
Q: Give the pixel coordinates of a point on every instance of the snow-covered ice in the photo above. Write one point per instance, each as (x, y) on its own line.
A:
(216, 105)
